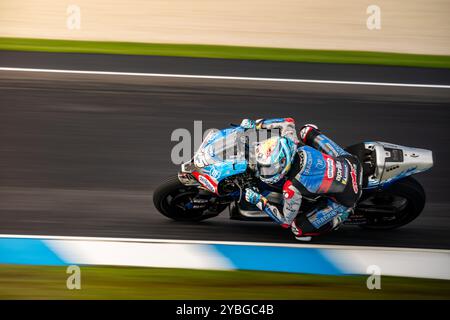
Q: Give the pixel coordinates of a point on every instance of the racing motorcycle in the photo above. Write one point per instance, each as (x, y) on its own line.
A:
(223, 167)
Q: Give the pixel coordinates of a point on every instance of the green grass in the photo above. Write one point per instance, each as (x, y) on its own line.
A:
(38, 282)
(227, 52)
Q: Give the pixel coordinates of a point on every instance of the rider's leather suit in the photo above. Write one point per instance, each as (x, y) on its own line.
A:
(320, 167)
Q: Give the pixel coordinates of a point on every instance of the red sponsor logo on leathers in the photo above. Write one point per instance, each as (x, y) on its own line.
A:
(288, 193)
(328, 177)
(354, 180)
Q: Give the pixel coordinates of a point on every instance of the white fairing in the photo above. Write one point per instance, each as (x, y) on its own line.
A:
(394, 162)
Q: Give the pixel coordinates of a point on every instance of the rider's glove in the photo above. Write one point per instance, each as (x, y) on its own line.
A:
(252, 196)
(248, 124)
(262, 204)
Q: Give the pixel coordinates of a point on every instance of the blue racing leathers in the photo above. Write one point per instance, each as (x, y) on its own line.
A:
(324, 168)
(320, 168)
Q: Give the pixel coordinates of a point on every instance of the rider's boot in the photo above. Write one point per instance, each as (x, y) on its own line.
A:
(305, 239)
(298, 233)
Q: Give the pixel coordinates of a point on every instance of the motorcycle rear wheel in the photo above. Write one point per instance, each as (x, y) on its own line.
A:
(409, 197)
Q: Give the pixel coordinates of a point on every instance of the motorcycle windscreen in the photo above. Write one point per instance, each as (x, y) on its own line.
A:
(220, 146)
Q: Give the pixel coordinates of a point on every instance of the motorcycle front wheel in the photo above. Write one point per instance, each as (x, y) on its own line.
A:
(178, 202)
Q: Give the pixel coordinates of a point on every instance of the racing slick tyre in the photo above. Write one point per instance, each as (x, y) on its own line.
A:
(398, 205)
(183, 203)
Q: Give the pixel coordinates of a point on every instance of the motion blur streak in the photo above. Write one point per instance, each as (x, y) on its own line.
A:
(334, 260)
(81, 153)
(188, 76)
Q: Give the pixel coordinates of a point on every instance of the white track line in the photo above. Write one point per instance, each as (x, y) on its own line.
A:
(210, 77)
(289, 245)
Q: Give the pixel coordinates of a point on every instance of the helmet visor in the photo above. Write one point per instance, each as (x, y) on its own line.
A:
(268, 171)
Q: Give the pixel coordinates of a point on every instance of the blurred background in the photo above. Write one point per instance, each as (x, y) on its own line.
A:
(80, 154)
(411, 26)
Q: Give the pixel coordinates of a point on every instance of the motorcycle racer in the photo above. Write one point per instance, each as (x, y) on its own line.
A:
(313, 166)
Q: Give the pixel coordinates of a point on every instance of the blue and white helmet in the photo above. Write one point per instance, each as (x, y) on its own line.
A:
(274, 158)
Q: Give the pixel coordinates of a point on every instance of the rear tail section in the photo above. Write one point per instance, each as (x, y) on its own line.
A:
(384, 163)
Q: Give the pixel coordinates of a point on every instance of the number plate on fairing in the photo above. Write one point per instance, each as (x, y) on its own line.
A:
(393, 155)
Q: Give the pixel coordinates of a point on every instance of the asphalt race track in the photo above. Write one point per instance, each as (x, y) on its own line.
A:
(81, 154)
